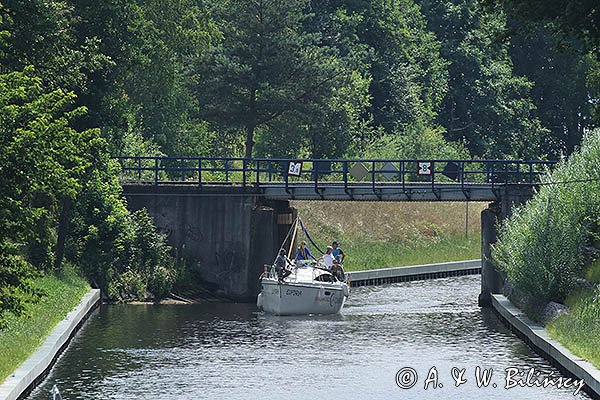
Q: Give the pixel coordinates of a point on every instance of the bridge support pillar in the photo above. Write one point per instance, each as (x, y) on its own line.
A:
(492, 280)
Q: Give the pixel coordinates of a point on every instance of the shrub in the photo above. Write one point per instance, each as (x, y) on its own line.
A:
(119, 252)
(16, 277)
(541, 247)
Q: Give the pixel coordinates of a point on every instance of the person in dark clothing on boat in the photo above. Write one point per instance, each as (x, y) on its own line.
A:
(304, 253)
(338, 253)
(281, 266)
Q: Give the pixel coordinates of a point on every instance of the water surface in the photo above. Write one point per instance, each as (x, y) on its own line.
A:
(231, 351)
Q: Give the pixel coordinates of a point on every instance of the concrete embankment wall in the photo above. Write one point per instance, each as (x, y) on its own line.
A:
(537, 337)
(414, 272)
(36, 367)
(224, 237)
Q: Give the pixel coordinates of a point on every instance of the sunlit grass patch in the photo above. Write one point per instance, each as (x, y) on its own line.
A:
(379, 234)
(365, 255)
(579, 330)
(23, 335)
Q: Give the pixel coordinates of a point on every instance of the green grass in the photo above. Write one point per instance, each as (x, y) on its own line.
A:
(23, 335)
(364, 255)
(579, 330)
(380, 234)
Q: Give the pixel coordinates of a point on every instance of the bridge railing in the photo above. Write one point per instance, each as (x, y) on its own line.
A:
(347, 172)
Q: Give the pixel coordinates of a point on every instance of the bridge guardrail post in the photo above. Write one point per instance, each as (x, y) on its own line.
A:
(199, 172)
(315, 176)
(433, 176)
(530, 173)
(182, 169)
(373, 175)
(402, 178)
(139, 168)
(257, 172)
(155, 171)
(345, 175)
(269, 167)
(244, 172)
(286, 179)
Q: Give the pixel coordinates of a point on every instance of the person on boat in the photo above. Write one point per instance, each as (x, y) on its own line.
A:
(281, 265)
(304, 253)
(337, 252)
(328, 258)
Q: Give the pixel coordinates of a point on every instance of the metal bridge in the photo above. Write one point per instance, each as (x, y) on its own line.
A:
(332, 179)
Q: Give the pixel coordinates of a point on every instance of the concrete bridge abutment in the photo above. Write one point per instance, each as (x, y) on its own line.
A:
(223, 238)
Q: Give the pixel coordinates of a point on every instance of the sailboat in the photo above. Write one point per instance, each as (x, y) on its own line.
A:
(310, 287)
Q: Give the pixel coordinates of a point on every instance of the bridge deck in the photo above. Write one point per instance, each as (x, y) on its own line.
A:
(333, 191)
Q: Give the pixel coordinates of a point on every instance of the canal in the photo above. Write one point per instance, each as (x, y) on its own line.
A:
(231, 351)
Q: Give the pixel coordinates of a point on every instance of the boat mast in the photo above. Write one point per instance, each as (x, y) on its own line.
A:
(292, 241)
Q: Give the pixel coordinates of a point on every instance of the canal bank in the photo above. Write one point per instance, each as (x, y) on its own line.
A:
(414, 272)
(35, 368)
(536, 336)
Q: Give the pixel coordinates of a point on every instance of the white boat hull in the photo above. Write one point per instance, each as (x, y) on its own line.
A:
(290, 298)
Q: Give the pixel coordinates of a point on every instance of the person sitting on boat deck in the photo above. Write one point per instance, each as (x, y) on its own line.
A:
(337, 252)
(304, 252)
(328, 258)
(281, 266)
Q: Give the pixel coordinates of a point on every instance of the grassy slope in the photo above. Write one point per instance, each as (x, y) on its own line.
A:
(579, 334)
(579, 330)
(380, 234)
(24, 335)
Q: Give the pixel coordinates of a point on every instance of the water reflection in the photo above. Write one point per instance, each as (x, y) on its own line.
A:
(225, 351)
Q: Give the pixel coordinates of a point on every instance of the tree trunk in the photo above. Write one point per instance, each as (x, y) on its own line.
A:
(63, 230)
(249, 140)
(251, 123)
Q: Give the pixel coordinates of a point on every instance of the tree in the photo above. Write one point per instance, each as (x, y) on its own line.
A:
(417, 141)
(573, 17)
(41, 163)
(488, 106)
(266, 70)
(409, 78)
(142, 90)
(42, 34)
(561, 91)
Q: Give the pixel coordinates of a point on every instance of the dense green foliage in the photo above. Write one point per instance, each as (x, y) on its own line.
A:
(577, 17)
(46, 166)
(82, 81)
(270, 77)
(545, 246)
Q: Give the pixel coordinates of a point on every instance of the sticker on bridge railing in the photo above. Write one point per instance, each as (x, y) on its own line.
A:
(294, 168)
(424, 168)
(389, 172)
(359, 171)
